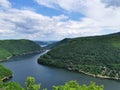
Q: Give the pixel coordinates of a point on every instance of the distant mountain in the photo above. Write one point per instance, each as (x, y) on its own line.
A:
(118, 34)
(46, 44)
(9, 48)
(42, 42)
(97, 55)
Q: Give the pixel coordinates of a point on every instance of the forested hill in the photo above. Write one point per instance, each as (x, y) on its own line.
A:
(5, 73)
(10, 48)
(97, 55)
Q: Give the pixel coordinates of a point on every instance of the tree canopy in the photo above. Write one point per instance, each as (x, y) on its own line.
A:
(97, 55)
(10, 48)
(31, 85)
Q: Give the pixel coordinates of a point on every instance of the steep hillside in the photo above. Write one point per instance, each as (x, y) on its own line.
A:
(10, 48)
(97, 56)
(5, 73)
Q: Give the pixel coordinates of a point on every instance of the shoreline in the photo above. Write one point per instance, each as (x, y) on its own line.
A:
(6, 78)
(9, 77)
(7, 58)
(83, 72)
(93, 75)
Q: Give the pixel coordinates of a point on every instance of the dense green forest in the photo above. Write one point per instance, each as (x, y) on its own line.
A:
(5, 73)
(97, 55)
(30, 84)
(9, 48)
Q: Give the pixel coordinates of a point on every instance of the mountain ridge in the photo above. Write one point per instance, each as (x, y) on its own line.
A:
(9, 48)
(96, 55)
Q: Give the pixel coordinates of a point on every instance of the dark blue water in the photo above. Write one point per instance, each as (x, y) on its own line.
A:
(24, 66)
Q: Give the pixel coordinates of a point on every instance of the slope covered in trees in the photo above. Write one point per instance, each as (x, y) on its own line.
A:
(9, 48)
(31, 85)
(97, 56)
(5, 73)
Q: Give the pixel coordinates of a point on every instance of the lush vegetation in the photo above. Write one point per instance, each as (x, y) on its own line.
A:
(73, 85)
(31, 85)
(4, 73)
(98, 56)
(10, 48)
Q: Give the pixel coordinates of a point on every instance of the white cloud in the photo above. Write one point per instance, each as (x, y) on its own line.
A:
(26, 23)
(96, 13)
(69, 5)
(5, 3)
(109, 3)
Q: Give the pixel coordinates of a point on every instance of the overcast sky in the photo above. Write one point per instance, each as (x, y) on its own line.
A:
(58, 19)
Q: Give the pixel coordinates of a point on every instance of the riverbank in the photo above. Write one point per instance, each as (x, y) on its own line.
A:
(5, 73)
(93, 75)
(7, 58)
(99, 76)
(10, 48)
(26, 65)
(4, 70)
(81, 71)
(6, 78)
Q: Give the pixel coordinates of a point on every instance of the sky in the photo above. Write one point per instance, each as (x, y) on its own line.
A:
(49, 20)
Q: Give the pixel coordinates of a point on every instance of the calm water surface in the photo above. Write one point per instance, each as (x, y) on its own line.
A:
(24, 66)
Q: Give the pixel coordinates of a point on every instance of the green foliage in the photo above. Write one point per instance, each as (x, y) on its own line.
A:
(73, 85)
(12, 86)
(10, 48)
(31, 85)
(1, 83)
(4, 72)
(4, 54)
(99, 55)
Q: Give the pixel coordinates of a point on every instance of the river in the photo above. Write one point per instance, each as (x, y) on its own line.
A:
(26, 65)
